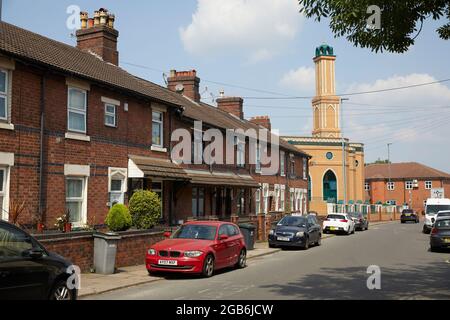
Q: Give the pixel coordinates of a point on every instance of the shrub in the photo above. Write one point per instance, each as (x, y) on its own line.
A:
(118, 218)
(145, 209)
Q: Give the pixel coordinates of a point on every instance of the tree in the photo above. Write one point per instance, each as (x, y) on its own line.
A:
(145, 209)
(400, 21)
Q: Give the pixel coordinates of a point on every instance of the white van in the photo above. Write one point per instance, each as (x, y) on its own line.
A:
(432, 207)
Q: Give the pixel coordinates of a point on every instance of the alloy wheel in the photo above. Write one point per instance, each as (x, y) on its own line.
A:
(61, 293)
(209, 266)
(242, 259)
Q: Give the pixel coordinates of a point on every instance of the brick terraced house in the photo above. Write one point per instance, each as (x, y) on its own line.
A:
(79, 132)
(401, 184)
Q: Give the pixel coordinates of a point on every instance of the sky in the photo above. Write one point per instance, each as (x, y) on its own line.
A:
(267, 46)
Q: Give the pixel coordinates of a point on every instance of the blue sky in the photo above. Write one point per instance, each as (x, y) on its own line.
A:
(267, 45)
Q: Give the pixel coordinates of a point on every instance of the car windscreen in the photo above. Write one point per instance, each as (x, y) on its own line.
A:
(407, 211)
(292, 221)
(433, 209)
(195, 231)
(335, 216)
(442, 224)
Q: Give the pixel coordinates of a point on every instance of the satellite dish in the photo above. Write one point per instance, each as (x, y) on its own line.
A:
(179, 88)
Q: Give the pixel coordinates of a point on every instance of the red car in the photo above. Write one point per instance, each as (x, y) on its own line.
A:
(199, 247)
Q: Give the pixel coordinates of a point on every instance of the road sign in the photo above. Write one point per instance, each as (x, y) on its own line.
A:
(437, 193)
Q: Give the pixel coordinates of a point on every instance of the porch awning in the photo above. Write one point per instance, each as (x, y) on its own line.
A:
(154, 167)
(221, 179)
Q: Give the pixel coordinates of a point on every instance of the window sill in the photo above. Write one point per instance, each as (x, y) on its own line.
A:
(6, 126)
(158, 149)
(77, 136)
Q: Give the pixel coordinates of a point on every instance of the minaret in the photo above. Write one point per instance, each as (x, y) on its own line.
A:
(325, 104)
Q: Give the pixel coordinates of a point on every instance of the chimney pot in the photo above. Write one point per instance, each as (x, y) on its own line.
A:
(96, 18)
(103, 17)
(232, 105)
(188, 80)
(111, 19)
(84, 19)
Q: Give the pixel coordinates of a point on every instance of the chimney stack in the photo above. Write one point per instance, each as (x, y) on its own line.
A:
(186, 83)
(263, 121)
(233, 105)
(97, 35)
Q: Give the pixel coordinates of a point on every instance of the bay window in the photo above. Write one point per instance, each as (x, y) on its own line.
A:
(77, 110)
(198, 202)
(3, 192)
(282, 163)
(258, 201)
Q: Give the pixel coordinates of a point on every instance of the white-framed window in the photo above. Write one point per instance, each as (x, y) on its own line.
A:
(392, 202)
(77, 110)
(258, 201)
(3, 177)
(241, 201)
(265, 198)
(409, 185)
(240, 156)
(110, 115)
(277, 197)
(258, 158)
(305, 168)
(428, 185)
(157, 128)
(157, 187)
(292, 165)
(4, 94)
(282, 163)
(391, 186)
(117, 185)
(282, 197)
(76, 199)
(292, 198)
(367, 186)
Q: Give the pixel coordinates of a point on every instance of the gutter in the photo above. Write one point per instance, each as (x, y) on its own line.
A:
(41, 148)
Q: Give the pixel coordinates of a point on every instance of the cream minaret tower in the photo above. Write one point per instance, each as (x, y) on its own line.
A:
(325, 104)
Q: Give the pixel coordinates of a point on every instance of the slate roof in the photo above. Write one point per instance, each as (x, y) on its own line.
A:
(404, 170)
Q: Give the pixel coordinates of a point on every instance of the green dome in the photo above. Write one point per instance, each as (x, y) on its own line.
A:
(324, 50)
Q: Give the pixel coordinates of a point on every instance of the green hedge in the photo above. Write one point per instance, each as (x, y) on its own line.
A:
(145, 209)
(118, 218)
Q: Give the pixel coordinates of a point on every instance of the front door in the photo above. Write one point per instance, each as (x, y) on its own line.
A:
(330, 187)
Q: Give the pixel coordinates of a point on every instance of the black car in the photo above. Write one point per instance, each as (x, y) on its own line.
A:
(361, 223)
(409, 215)
(440, 234)
(28, 271)
(296, 231)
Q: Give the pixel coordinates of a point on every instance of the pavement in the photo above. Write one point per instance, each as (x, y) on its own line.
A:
(96, 284)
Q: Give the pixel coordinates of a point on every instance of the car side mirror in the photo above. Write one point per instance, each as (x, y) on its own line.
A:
(223, 237)
(167, 234)
(36, 253)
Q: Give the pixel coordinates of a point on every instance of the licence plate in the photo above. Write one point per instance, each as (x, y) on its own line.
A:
(333, 228)
(168, 262)
(407, 215)
(446, 240)
(283, 239)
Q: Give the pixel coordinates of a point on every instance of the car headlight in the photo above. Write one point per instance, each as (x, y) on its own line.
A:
(192, 254)
(272, 232)
(151, 252)
(300, 234)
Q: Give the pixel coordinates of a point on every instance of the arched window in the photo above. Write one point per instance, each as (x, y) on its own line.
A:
(329, 187)
(316, 118)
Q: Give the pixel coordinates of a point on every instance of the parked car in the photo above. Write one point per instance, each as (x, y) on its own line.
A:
(296, 231)
(339, 222)
(28, 271)
(199, 247)
(440, 234)
(432, 207)
(444, 213)
(361, 222)
(409, 215)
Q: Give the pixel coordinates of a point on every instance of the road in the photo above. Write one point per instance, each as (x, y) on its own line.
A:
(335, 270)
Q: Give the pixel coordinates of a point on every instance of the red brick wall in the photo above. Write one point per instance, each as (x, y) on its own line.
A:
(378, 192)
(132, 248)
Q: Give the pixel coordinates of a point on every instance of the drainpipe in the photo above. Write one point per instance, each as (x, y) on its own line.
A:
(41, 149)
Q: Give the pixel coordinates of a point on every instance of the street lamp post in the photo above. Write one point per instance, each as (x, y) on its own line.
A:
(344, 160)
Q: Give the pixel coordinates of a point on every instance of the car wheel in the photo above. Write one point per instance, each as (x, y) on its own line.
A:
(306, 245)
(319, 241)
(242, 262)
(208, 266)
(61, 292)
(271, 245)
(433, 249)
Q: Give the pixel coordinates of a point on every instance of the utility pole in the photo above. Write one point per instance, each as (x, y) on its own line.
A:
(344, 160)
(389, 160)
(1, 7)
